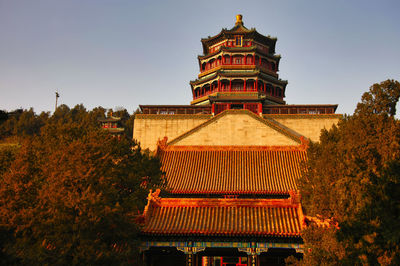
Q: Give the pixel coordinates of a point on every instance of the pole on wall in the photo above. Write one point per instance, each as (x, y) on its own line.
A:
(57, 96)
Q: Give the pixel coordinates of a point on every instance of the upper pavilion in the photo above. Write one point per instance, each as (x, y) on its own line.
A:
(238, 70)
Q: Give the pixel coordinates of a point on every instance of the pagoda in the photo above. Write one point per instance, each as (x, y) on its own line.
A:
(232, 159)
(238, 71)
(112, 124)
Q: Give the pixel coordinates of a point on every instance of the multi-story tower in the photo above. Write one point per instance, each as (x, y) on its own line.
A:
(238, 71)
(231, 196)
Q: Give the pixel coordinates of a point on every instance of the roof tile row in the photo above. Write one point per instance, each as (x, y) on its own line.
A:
(230, 171)
(224, 217)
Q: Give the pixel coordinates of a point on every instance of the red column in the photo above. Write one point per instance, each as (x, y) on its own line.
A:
(265, 88)
(254, 59)
(230, 85)
(213, 109)
(244, 85)
(259, 108)
(256, 84)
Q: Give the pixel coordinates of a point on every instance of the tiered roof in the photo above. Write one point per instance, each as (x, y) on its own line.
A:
(252, 48)
(244, 71)
(238, 55)
(223, 217)
(239, 28)
(109, 119)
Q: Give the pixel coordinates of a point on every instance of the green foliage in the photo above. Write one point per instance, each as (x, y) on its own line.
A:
(126, 121)
(24, 123)
(70, 194)
(7, 155)
(3, 116)
(381, 99)
(353, 175)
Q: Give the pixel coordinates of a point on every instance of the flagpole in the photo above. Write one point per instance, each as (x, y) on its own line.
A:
(57, 96)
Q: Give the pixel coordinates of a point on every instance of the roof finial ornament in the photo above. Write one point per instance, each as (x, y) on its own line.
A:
(239, 20)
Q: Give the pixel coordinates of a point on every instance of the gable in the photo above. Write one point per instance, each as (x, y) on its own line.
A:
(238, 127)
(307, 125)
(148, 128)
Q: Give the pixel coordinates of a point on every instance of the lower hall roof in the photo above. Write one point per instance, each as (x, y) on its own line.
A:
(223, 217)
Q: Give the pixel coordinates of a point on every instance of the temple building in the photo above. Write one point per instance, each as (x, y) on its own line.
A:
(112, 124)
(232, 160)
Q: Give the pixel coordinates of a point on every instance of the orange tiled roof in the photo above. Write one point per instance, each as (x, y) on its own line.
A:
(232, 170)
(223, 217)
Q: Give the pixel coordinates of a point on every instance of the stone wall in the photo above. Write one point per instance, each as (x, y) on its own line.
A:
(309, 126)
(230, 129)
(236, 129)
(148, 129)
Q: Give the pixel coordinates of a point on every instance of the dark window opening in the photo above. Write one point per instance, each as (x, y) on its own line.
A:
(238, 40)
(237, 106)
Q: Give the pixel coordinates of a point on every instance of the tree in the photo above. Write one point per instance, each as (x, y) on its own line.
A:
(23, 123)
(72, 192)
(353, 175)
(3, 116)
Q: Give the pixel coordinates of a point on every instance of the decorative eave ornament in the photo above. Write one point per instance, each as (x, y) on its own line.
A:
(239, 20)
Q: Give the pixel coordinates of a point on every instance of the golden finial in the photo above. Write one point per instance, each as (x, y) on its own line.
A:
(239, 19)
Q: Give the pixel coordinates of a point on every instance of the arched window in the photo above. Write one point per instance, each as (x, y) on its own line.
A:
(227, 59)
(212, 63)
(249, 85)
(238, 59)
(218, 61)
(264, 63)
(249, 60)
(237, 85)
(214, 86)
(260, 86)
(278, 92)
(269, 89)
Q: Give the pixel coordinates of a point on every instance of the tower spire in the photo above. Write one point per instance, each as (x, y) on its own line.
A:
(239, 20)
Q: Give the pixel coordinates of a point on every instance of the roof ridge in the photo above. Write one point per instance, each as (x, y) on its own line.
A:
(283, 126)
(154, 198)
(232, 148)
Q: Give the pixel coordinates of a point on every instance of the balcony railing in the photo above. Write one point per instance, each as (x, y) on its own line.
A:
(236, 66)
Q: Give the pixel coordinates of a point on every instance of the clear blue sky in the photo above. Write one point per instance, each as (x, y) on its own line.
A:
(125, 53)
